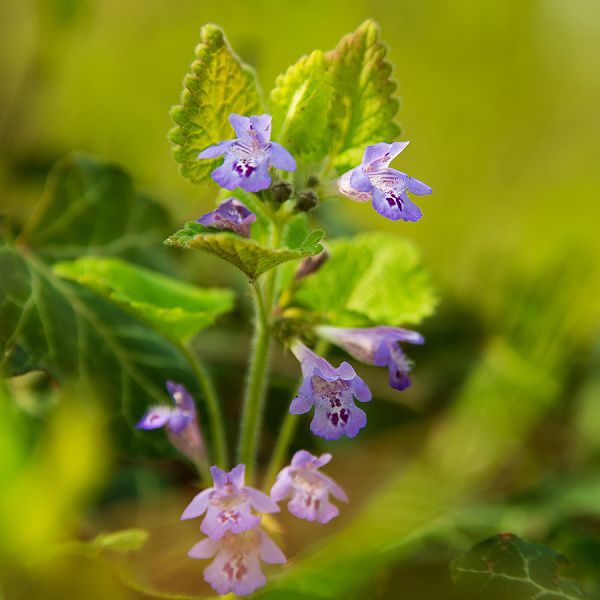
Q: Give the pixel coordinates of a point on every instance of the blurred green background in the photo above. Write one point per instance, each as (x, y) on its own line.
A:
(500, 102)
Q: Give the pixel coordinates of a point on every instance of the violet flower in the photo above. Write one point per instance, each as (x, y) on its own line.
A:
(180, 422)
(387, 188)
(228, 504)
(332, 392)
(249, 156)
(236, 567)
(379, 346)
(308, 488)
(230, 215)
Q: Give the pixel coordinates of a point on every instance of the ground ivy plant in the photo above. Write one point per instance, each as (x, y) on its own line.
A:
(327, 130)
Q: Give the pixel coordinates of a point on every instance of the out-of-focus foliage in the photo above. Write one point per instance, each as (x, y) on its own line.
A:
(506, 566)
(52, 324)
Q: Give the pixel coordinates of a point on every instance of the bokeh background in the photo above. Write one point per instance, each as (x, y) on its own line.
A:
(502, 426)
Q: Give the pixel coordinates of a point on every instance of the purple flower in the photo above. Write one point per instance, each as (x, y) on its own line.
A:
(180, 421)
(249, 156)
(332, 392)
(378, 346)
(236, 567)
(228, 504)
(388, 188)
(176, 417)
(231, 214)
(308, 488)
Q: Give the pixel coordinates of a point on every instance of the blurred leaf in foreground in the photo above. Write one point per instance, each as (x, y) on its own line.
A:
(505, 566)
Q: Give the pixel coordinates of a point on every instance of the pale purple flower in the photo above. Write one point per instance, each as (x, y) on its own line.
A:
(180, 421)
(308, 488)
(249, 156)
(387, 188)
(378, 346)
(230, 215)
(236, 567)
(176, 417)
(332, 392)
(228, 504)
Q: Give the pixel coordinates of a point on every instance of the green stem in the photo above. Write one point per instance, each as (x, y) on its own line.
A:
(284, 439)
(286, 434)
(217, 426)
(255, 392)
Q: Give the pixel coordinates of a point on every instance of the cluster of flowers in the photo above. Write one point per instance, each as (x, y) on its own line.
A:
(235, 537)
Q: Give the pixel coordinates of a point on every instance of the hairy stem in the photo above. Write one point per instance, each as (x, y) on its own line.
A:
(256, 383)
(217, 426)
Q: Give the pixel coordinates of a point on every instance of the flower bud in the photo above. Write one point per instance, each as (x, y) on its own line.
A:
(311, 264)
(281, 191)
(307, 200)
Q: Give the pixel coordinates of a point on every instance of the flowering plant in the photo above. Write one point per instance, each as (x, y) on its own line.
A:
(277, 166)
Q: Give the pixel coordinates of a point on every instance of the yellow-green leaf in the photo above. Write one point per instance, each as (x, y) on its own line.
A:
(245, 254)
(175, 308)
(300, 104)
(217, 85)
(373, 278)
(364, 106)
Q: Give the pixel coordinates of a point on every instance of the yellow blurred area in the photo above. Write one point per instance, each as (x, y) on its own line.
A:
(47, 484)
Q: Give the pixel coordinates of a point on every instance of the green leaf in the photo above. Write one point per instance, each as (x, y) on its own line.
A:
(364, 106)
(65, 329)
(91, 207)
(218, 84)
(245, 254)
(175, 308)
(505, 566)
(125, 540)
(373, 278)
(300, 103)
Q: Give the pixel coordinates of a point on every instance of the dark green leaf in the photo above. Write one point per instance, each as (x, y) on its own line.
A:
(246, 254)
(65, 329)
(177, 309)
(505, 566)
(218, 84)
(91, 207)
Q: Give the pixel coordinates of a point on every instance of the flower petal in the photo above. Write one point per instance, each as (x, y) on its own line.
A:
(359, 181)
(240, 124)
(236, 475)
(261, 502)
(261, 126)
(281, 158)
(302, 458)
(216, 149)
(386, 205)
(198, 505)
(219, 476)
(283, 487)
(345, 188)
(204, 549)
(379, 156)
(301, 404)
(361, 390)
(156, 417)
(414, 186)
(269, 551)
